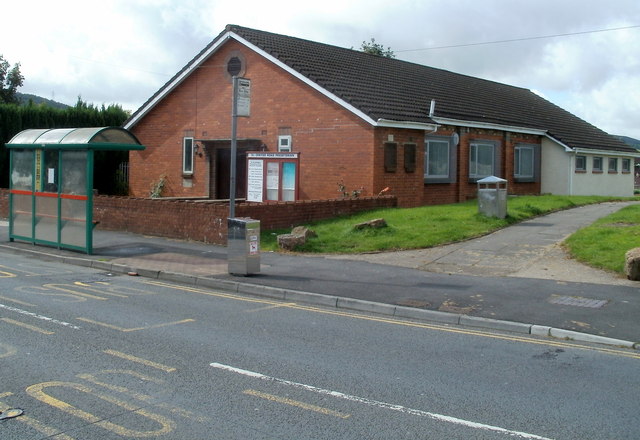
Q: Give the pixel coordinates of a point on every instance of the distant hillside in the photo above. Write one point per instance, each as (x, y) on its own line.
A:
(635, 143)
(25, 97)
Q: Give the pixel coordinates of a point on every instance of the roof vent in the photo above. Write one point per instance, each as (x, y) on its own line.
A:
(432, 109)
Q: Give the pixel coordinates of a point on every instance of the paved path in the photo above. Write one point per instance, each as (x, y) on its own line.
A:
(531, 249)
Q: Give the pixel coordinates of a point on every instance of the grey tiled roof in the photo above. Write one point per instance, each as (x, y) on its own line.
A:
(398, 90)
(386, 88)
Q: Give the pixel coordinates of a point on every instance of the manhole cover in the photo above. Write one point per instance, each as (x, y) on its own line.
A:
(578, 301)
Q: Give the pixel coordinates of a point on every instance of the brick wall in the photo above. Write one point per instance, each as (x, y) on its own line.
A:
(4, 203)
(207, 221)
(334, 144)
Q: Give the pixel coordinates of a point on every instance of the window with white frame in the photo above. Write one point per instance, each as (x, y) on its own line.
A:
(524, 162)
(597, 164)
(581, 163)
(626, 165)
(613, 164)
(439, 160)
(187, 155)
(482, 157)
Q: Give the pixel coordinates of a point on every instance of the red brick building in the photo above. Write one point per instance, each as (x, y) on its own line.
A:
(354, 121)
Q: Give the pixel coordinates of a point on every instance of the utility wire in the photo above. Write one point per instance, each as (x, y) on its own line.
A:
(519, 39)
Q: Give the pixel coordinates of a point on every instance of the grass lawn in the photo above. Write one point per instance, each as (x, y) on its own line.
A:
(604, 243)
(427, 226)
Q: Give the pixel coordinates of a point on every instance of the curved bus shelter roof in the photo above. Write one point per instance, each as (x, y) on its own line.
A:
(92, 138)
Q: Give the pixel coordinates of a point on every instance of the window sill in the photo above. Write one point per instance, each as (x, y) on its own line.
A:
(581, 171)
(187, 176)
(596, 172)
(432, 180)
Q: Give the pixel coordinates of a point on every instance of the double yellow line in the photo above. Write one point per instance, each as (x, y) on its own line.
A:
(404, 323)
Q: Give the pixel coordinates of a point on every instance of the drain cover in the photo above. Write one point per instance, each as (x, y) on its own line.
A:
(578, 301)
(11, 413)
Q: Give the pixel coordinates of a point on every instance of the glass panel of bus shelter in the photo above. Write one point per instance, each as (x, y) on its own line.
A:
(47, 218)
(50, 170)
(74, 172)
(22, 180)
(74, 222)
(22, 170)
(74, 210)
(47, 196)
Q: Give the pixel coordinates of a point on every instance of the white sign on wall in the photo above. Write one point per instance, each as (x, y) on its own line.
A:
(254, 180)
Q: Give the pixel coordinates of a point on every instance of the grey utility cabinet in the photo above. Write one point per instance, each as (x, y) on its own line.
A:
(243, 246)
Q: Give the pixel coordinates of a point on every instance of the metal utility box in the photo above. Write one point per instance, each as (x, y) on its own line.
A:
(243, 246)
(492, 198)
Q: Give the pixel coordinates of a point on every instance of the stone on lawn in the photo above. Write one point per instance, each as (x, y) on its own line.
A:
(298, 236)
(372, 224)
(632, 264)
(304, 232)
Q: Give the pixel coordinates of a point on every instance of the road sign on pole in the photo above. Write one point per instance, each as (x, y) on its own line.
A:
(241, 107)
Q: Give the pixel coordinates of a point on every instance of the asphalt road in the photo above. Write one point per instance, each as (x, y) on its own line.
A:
(89, 355)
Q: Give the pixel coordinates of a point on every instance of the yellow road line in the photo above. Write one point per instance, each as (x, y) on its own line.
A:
(273, 306)
(37, 391)
(127, 330)
(27, 326)
(88, 287)
(290, 402)
(22, 303)
(138, 360)
(35, 424)
(140, 396)
(396, 321)
(61, 288)
(8, 351)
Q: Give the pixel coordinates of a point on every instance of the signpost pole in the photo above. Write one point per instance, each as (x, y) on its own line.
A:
(234, 147)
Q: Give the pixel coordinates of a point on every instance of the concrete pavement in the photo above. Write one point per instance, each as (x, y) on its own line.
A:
(516, 279)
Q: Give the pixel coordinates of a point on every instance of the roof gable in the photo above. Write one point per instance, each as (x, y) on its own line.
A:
(380, 90)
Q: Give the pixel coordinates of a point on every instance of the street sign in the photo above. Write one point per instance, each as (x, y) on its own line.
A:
(244, 97)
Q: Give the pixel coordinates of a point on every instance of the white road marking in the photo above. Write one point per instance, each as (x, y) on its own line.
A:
(42, 317)
(378, 404)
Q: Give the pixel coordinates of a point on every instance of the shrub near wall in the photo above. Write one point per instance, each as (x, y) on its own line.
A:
(206, 221)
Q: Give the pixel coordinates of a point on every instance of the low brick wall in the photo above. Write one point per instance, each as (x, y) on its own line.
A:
(206, 221)
(4, 203)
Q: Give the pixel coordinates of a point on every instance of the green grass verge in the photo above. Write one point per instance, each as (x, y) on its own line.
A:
(422, 227)
(604, 243)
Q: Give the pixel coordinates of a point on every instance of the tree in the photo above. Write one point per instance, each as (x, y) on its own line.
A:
(377, 49)
(10, 80)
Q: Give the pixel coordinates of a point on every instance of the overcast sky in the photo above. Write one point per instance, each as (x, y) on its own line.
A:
(122, 51)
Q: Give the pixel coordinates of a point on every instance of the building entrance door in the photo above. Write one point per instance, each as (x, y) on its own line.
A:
(220, 173)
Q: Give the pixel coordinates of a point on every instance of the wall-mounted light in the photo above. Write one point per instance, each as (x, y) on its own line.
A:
(197, 149)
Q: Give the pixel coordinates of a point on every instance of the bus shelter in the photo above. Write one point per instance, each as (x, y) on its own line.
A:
(51, 183)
